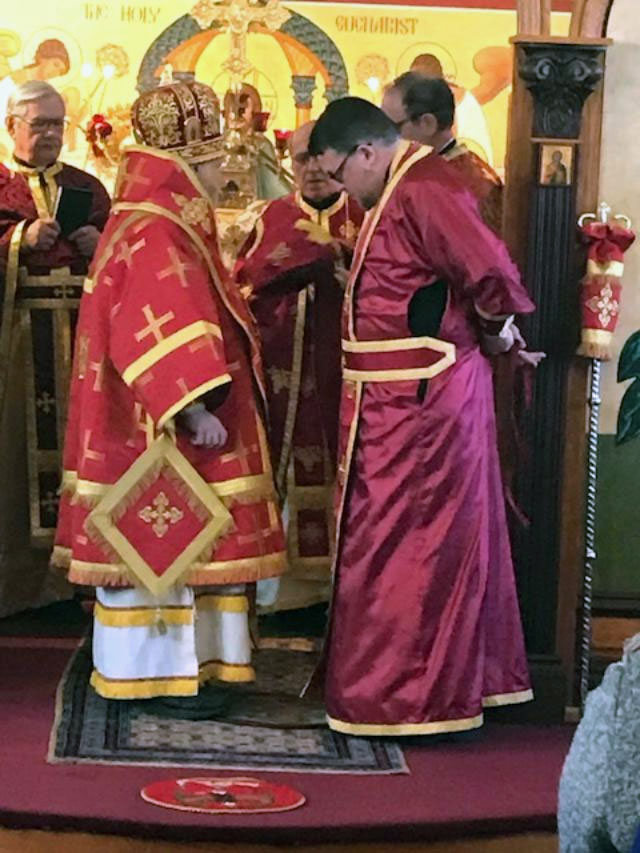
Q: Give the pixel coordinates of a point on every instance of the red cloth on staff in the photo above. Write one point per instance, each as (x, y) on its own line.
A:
(601, 286)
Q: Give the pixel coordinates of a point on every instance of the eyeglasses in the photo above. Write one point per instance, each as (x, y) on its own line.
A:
(40, 125)
(336, 175)
(302, 158)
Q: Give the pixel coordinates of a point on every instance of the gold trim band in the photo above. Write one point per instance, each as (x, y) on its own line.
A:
(378, 729)
(143, 688)
(7, 318)
(596, 336)
(223, 603)
(500, 699)
(294, 390)
(400, 345)
(614, 268)
(261, 484)
(233, 672)
(199, 329)
(398, 375)
(224, 379)
(141, 617)
(243, 570)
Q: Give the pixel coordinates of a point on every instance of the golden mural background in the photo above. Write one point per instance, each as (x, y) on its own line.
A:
(93, 53)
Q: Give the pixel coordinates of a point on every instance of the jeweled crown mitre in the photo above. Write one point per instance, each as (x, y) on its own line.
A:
(182, 117)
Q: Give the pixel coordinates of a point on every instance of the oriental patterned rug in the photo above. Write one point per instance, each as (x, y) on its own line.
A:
(264, 726)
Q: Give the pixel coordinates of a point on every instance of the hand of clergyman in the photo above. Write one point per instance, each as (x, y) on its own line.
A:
(206, 429)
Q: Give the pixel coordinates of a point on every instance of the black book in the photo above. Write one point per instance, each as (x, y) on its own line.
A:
(73, 206)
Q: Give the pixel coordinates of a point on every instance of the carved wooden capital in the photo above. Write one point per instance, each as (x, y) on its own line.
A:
(560, 77)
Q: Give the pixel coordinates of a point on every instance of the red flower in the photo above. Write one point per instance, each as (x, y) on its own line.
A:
(98, 127)
(282, 135)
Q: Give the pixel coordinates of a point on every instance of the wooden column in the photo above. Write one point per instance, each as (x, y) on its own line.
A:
(546, 171)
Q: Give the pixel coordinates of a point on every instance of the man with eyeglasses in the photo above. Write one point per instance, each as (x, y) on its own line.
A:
(41, 275)
(293, 269)
(36, 121)
(425, 630)
(423, 109)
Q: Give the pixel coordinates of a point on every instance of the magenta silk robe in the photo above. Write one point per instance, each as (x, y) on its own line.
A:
(425, 628)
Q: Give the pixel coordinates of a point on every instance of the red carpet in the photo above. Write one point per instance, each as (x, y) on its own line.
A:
(504, 783)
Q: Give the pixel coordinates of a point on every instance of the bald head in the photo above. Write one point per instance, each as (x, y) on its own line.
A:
(299, 139)
(313, 183)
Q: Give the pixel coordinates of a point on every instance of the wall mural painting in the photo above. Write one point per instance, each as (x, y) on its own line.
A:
(319, 52)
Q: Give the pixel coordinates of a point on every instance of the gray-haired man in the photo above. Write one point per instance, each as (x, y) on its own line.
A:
(41, 273)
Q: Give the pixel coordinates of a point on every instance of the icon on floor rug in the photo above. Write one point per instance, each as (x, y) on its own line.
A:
(223, 795)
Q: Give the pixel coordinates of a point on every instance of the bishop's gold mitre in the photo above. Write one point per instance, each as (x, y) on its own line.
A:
(182, 117)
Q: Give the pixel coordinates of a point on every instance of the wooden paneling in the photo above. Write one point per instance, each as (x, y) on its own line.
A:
(561, 75)
(589, 18)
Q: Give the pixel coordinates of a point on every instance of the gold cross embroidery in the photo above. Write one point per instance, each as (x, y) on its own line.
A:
(98, 368)
(87, 452)
(205, 342)
(126, 252)
(64, 292)
(160, 515)
(280, 379)
(308, 457)
(50, 502)
(176, 267)
(128, 179)
(604, 305)
(241, 454)
(279, 254)
(155, 324)
(45, 402)
(139, 423)
(182, 385)
(348, 231)
(83, 355)
(258, 537)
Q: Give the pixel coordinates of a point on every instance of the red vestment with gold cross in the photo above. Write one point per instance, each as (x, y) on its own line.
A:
(289, 273)
(39, 298)
(159, 328)
(425, 629)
